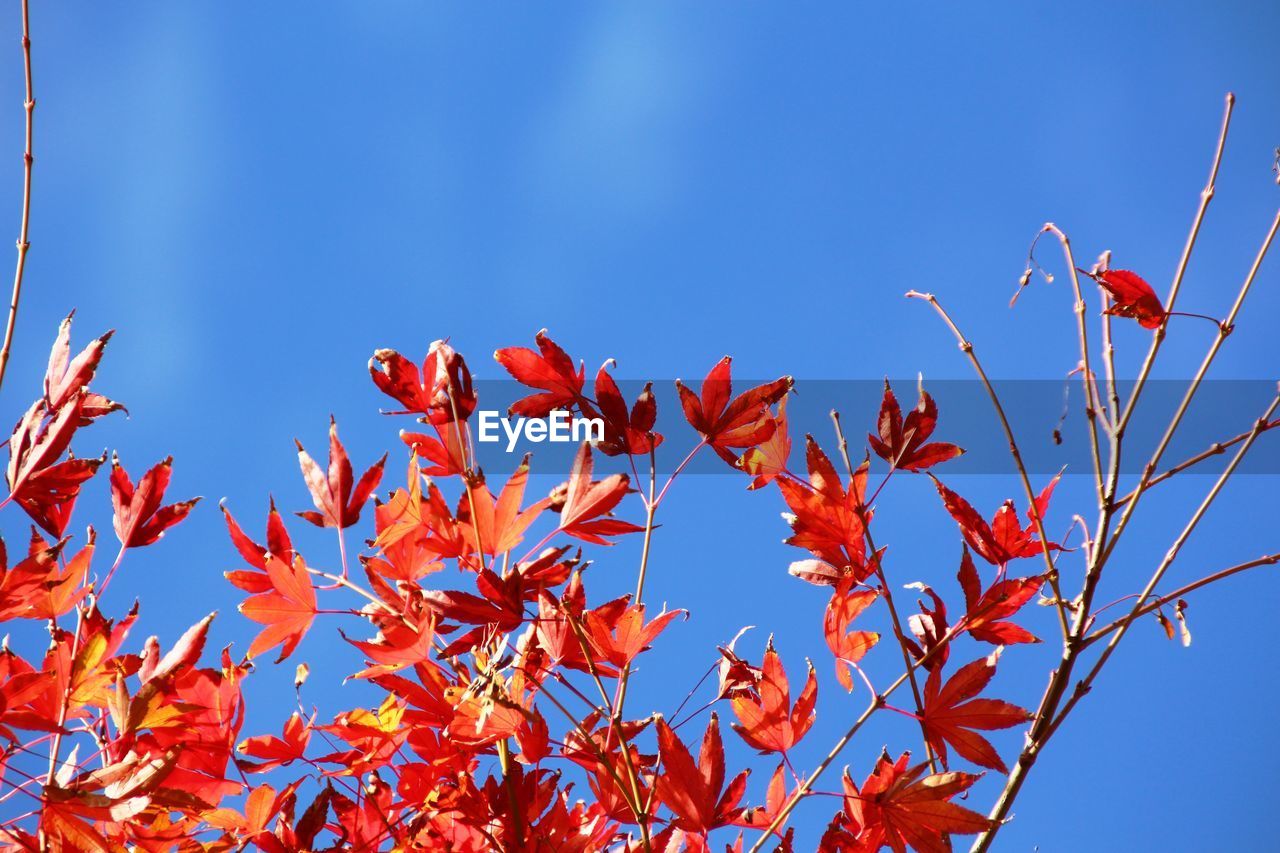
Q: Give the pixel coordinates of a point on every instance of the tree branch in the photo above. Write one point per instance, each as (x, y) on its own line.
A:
(1143, 610)
(28, 159)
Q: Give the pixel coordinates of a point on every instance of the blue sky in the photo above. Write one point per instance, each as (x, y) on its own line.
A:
(259, 196)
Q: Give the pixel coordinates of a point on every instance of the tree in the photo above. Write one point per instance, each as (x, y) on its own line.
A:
(141, 747)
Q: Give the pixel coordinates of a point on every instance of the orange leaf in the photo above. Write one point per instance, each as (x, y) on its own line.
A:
(849, 647)
(766, 718)
(287, 610)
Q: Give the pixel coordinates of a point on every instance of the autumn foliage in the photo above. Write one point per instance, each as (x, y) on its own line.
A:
(502, 720)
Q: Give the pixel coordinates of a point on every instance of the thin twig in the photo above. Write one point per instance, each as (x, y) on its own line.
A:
(1206, 195)
(1216, 449)
(1156, 604)
(615, 722)
(1090, 381)
(1052, 712)
(24, 243)
(1108, 346)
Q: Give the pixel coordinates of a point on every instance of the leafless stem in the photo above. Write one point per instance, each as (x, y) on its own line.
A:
(1048, 717)
(1206, 195)
(28, 159)
(614, 710)
(589, 740)
(339, 581)
(1156, 604)
(1108, 346)
(624, 678)
(1040, 730)
(1092, 397)
(1052, 711)
(1216, 449)
(513, 800)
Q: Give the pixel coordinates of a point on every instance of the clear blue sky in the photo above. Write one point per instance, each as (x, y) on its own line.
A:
(259, 195)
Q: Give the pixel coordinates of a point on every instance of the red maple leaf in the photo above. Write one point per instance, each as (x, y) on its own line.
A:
(629, 432)
(985, 611)
(66, 376)
(899, 806)
(272, 751)
(827, 520)
(766, 718)
(498, 608)
(848, 646)
(620, 639)
(951, 713)
(139, 518)
(931, 629)
(550, 370)
(902, 443)
(40, 586)
(741, 422)
(445, 452)
(560, 622)
(1133, 297)
(255, 555)
(440, 391)
(43, 486)
(693, 790)
(499, 523)
(287, 610)
(761, 817)
(179, 659)
(585, 506)
(768, 460)
(338, 504)
(1005, 538)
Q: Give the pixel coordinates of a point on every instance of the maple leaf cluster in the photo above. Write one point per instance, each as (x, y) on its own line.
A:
(488, 684)
(499, 718)
(157, 731)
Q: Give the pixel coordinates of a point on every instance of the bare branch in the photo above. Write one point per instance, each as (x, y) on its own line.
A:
(24, 242)
(1206, 195)
(1216, 449)
(1092, 398)
(1156, 604)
